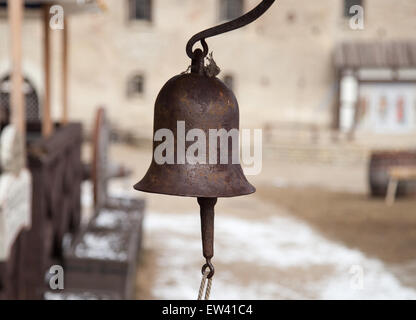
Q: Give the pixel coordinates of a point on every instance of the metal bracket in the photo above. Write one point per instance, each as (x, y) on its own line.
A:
(242, 21)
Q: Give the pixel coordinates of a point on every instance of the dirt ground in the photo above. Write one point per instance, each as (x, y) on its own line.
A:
(330, 201)
(359, 222)
(388, 233)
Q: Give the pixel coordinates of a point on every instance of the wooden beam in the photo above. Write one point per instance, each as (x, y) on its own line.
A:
(18, 114)
(65, 75)
(47, 126)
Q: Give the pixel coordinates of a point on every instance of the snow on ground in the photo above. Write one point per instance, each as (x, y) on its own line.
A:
(273, 257)
(286, 259)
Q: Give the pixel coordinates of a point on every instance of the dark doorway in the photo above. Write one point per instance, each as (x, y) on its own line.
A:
(31, 100)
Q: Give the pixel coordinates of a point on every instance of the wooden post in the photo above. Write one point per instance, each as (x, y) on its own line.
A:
(391, 191)
(47, 126)
(65, 75)
(18, 114)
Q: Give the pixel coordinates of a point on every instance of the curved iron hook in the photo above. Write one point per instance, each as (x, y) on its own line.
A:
(242, 21)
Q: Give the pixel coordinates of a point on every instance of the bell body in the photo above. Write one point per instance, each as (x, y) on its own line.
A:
(200, 102)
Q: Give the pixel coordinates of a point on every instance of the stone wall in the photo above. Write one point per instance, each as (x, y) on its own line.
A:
(282, 64)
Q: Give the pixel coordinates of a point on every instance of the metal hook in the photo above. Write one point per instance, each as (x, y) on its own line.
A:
(242, 21)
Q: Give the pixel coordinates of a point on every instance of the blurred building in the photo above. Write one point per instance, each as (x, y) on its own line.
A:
(287, 68)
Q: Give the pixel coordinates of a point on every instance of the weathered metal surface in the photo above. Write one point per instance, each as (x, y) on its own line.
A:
(207, 231)
(204, 103)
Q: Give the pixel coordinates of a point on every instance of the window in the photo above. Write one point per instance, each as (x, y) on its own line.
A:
(140, 10)
(229, 81)
(231, 9)
(348, 4)
(135, 86)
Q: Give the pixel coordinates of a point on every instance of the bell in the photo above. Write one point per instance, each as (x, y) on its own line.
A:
(200, 103)
(197, 101)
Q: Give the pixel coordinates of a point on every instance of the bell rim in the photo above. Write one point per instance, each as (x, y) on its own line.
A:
(147, 190)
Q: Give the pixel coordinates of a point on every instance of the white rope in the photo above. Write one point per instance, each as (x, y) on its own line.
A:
(202, 288)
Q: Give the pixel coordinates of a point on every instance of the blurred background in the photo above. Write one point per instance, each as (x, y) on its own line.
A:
(333, 90)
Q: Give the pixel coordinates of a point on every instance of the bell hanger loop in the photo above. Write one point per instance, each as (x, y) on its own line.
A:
(237, 23)
(197, 65)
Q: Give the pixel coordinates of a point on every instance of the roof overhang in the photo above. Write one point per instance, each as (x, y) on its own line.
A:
(371, 54)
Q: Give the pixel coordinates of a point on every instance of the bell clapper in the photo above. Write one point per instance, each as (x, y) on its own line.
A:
(207, 231)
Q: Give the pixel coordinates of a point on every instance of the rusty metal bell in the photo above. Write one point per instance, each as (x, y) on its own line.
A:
(205, 103)
(199, 100)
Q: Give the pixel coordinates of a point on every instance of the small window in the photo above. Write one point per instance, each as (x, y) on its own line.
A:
(348, 4)
(231, 9)
(229, 81)
(140, 10)
(135, 86)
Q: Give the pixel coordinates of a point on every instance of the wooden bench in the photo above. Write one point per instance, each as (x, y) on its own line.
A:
(397, 174)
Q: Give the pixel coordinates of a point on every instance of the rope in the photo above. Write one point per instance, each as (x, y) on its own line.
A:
(202, 288)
